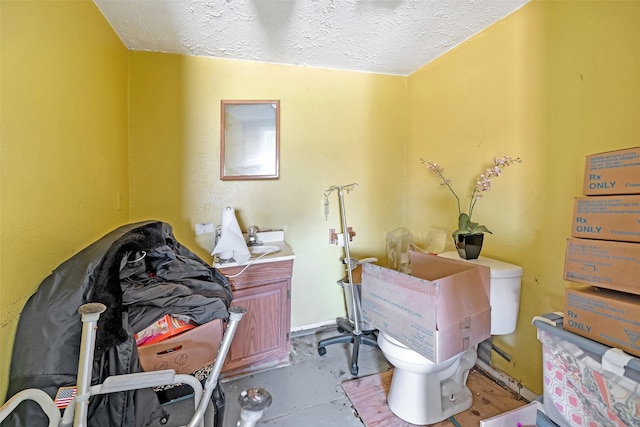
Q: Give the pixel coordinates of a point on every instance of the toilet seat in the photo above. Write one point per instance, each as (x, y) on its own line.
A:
(400, 351)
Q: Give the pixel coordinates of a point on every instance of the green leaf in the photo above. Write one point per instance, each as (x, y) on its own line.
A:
(480, 229)
(464, 221)
(465, 226)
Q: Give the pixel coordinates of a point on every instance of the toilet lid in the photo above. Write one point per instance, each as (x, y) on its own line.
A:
(499, 269)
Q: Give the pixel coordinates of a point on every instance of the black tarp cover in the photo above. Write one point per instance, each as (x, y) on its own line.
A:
(47, 345)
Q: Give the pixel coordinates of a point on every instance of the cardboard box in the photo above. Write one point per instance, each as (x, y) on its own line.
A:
(603, 263)
(440, 310)
(606, 316)
(613, 172)
(524, 416)
(185, 353)
(607, 218)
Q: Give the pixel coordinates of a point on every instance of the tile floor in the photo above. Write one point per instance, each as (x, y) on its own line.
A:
(308, 392)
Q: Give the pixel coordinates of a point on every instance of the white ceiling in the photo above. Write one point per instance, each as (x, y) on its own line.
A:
(379, 36)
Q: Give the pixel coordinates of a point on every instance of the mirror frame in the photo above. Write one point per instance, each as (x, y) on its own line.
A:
(228, 143)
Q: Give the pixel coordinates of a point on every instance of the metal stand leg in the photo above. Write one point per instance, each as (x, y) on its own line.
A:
(253, 403)
(356, 336)
(365, 337)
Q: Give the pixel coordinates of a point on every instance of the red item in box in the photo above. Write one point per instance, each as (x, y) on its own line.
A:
(163, 328)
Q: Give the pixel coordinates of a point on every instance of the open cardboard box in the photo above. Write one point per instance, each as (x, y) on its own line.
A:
(440, 310)
(524, 416)
(184, 353)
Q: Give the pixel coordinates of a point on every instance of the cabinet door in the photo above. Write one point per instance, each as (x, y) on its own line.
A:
(262, 337)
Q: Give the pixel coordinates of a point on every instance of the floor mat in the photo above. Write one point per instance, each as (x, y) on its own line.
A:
(369, 398)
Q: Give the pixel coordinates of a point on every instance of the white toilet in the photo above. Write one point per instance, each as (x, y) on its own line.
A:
(423, 392)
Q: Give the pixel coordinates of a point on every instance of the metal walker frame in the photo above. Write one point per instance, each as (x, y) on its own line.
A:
(253, 403)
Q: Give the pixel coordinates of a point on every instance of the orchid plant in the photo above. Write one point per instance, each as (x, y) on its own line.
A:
(483, 184)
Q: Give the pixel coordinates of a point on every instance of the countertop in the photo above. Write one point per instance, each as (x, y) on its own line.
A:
(285, 253)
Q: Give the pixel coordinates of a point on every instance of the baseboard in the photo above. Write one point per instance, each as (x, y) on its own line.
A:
(301, 330)
(505, 380)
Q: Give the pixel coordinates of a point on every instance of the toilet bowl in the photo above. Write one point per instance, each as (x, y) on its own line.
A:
(423, 392)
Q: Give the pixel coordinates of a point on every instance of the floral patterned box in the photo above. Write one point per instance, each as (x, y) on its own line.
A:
(586, 384)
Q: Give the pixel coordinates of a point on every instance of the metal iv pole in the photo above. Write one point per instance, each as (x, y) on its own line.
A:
(356, 336)
(347, 260)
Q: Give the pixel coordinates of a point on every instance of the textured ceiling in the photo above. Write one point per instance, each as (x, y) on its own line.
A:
(379, 36)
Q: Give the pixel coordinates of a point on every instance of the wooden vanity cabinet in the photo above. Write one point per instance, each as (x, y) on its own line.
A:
(262, 338)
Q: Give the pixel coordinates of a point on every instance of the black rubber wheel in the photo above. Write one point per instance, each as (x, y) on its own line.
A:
(341, 330)
(354, 371)
(322, 351)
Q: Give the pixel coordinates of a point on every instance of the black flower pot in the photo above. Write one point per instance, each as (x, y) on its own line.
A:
(469, 245)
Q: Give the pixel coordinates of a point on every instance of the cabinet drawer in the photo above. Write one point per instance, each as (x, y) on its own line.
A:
(263, 273)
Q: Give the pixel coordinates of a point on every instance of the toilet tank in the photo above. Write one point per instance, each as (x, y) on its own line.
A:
(506, 281)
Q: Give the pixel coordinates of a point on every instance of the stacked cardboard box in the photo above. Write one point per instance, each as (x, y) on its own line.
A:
(604, 253)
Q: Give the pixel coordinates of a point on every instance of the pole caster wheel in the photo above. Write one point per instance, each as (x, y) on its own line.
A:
(322, 351)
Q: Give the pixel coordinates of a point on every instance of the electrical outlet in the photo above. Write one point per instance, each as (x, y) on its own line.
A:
(204, 227)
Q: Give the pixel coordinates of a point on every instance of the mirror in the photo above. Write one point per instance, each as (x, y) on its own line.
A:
(249, 140)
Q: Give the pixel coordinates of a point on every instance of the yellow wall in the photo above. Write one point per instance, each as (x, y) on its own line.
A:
(336, 128)
(552, 83)
(63, 137)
